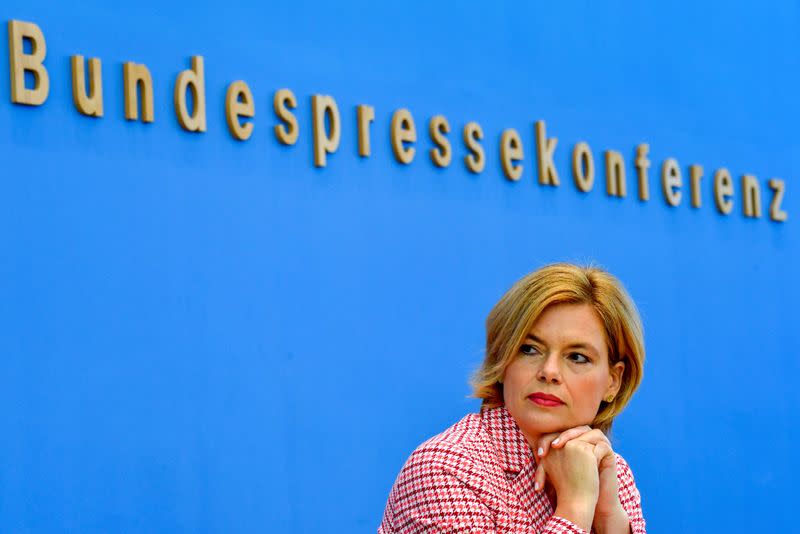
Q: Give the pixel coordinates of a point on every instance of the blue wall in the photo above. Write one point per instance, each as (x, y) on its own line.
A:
(204, 335)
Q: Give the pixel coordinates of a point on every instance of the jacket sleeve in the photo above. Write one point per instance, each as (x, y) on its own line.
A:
(559, 525)
(436, 492)
(629, 496)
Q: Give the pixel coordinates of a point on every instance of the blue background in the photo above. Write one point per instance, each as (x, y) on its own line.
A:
(204, 335)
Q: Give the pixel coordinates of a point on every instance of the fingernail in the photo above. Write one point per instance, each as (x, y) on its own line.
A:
(555, 441)
(540, 452)
(536, 487)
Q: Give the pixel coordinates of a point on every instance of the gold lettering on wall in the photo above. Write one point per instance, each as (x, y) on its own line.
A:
(20, 62)
(438, 128)
(192, 79)
(288, 131)
(403, 131)
(87, 102)
(723, 191)
(136, 77)
(775, 212)
(30, 85)
(239, 103)
(695, 175)
(510, 152)
(642, 165)
(326, 139)
(475, 161)
(364, 116)
(545, 150)
(583, 167)
(751, 196)
(671, 181)
(615, 174)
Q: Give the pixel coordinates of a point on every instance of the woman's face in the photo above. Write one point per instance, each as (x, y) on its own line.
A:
(561, 372)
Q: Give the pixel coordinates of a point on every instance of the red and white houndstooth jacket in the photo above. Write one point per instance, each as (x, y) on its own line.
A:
(477, 476)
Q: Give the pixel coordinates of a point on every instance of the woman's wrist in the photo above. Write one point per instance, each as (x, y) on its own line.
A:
(578, 512)
(613, 522)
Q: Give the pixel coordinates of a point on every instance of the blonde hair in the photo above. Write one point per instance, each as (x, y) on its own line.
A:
(563, 283)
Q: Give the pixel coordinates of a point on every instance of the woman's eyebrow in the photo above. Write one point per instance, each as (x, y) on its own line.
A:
(574, 345)
(583, 346)
(535, 339)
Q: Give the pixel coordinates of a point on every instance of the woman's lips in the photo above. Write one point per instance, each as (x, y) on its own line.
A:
(545, 400)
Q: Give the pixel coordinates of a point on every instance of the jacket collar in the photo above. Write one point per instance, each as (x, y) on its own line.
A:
(509, 442)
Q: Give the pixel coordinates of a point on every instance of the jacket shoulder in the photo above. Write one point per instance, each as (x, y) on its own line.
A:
(441, 486)
(456, 451)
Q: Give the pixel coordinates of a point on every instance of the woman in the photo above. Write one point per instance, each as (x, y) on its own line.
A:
(564, 354)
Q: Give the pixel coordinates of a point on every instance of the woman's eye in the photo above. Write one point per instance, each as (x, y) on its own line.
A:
(577, 357)
(528, 349)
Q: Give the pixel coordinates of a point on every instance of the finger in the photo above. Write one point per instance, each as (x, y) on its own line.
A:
(593, 436)
(569, 434)
(557, 440)
(543, 444)
(603, 451)
(539, 478)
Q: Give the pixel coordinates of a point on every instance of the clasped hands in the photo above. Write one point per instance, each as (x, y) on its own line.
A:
(580, 465)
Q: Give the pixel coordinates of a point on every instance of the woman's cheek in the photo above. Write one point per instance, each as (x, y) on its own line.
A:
(587, 392)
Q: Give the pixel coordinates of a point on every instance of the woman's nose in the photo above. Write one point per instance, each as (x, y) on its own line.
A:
(550, 371)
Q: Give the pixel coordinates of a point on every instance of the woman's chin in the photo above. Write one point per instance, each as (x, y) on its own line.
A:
(543, 426)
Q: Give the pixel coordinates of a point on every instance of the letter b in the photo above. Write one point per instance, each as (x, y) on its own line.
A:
(21, 62)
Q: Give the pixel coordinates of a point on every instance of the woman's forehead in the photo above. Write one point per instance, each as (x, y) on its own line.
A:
(569, 324)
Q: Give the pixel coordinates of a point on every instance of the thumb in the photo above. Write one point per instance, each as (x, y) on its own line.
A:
(604, 455)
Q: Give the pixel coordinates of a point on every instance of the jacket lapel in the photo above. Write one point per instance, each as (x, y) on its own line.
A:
(518, 463)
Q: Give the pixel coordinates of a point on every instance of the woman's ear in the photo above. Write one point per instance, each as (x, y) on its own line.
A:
(616, 379)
